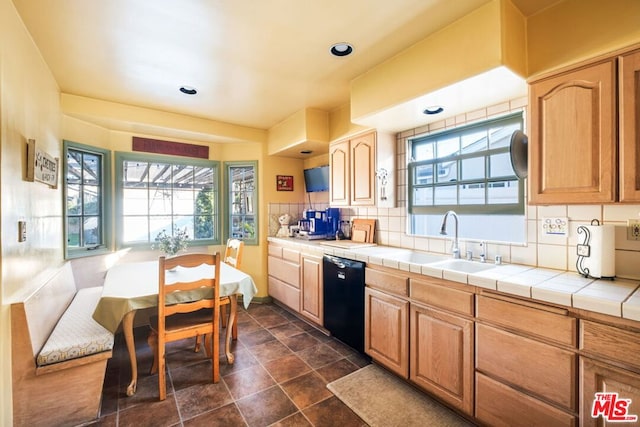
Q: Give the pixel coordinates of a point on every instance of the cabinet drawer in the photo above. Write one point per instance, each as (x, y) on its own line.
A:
(610, 342)
(398, 285)
(292, 255)
(286, 294)
(275, 251)
(500, 405)
(285, 271)
(534, 319)
(441, 296)
(539, 368)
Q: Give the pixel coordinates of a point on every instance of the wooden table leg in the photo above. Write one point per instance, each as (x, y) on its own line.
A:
(127, 326)
(230, 326)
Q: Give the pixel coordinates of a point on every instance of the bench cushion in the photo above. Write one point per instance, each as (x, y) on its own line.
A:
(76, 334)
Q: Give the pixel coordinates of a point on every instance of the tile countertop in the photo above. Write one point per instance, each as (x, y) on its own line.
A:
(620, 297)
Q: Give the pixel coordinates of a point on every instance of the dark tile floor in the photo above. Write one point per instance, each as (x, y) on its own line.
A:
(279, 378)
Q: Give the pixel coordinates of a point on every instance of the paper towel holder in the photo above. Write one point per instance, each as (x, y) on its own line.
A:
(583, 250)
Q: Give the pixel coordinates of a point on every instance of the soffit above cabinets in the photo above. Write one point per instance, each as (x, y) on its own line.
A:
(477, 61)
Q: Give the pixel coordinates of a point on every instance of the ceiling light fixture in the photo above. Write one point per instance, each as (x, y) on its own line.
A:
(306, 152)
(188, 90)
(436, 109)
(341, 49)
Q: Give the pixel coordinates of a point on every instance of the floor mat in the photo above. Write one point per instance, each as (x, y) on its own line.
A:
(382, 399)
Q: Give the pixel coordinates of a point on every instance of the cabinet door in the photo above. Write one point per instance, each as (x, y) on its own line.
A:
(386, 330)
(339, 168)
(363, 165)
(441, 355)
(573, 137)
(311, 298)
(600, 377)
(629, 121)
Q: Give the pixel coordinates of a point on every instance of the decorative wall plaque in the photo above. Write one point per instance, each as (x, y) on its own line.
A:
(41, 166)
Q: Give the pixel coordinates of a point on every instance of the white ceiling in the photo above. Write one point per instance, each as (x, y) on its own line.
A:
(253, 62)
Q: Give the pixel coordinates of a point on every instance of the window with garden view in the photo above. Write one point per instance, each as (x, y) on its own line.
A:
(158, 194)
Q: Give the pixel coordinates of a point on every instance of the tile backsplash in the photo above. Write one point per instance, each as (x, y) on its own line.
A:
(544, 251)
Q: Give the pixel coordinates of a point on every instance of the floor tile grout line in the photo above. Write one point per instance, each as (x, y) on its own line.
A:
(290, 321)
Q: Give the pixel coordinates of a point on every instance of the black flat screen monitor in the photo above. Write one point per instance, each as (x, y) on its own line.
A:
(316, 179)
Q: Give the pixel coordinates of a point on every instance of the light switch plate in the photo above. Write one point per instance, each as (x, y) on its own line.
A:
(22, 231)
(557, 226)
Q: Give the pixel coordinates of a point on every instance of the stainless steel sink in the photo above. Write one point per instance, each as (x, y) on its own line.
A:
(462, 266)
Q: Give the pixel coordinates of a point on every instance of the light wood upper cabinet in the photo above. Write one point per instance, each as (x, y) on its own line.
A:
(629, 71)
(339, 179)
(583, 137)
(356, 168)
(572, 137)
(363, 170)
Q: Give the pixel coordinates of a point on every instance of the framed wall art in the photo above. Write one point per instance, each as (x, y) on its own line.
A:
(284, 183)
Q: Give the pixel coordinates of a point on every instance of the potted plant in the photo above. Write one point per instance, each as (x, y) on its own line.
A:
(172, 244)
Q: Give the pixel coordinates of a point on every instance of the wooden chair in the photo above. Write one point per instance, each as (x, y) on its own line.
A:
(233, 257)
(179, 320)
(233, 252)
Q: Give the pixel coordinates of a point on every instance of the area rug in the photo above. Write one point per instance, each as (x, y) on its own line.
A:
(382, 399)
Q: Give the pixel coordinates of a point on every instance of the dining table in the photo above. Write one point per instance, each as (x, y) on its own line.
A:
(129, 287)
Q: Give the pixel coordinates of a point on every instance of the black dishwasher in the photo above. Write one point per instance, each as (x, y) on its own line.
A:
(344, 300)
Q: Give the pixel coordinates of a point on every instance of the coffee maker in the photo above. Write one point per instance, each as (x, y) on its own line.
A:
(320, 224)
(313, 226)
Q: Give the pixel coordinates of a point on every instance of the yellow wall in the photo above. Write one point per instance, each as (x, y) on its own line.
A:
(579, 29)
(29, 108)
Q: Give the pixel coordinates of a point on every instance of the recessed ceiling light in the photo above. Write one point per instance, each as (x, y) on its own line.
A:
(306, 152)
(188, 90)
(436, 109)
(341, 49)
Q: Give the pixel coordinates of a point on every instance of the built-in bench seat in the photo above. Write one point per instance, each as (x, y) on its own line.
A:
(59, 354)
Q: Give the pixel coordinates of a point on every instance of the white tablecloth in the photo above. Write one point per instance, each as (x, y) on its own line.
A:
(134, 286)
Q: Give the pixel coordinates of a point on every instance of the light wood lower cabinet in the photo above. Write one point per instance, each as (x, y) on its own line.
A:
(441, 355)
(284, 275)
(542, 370)
(602, 377)
(526, 363)
(386, 330)
(311, 303)
(295, 280)
(499, 405)
(602, 347)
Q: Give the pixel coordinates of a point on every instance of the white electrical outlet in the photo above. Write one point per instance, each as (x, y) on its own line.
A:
(633, 229)
(555, 226)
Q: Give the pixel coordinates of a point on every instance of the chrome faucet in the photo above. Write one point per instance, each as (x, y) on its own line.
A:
(455, 250)
(483, 254)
